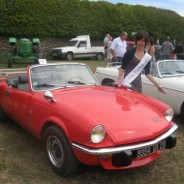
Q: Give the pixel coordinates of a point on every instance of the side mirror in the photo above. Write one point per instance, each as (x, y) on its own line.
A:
(48, 95)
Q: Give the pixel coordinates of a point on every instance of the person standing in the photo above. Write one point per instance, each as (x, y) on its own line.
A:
(105, 42)
(109, 54)
(150, 48)
(157, 41)
(167, 48)
(119, 47)
(134, 62)
(106, 39)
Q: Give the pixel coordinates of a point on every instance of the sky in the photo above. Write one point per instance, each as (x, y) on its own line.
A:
(174, 5)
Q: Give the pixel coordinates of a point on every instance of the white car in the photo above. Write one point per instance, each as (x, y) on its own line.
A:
(168, 73)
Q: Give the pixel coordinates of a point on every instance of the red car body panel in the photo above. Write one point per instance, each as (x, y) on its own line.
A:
(107, 162)
(116, 101)
(128, 117)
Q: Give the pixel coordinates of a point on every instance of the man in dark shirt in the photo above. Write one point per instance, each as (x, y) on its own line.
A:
(167, 48)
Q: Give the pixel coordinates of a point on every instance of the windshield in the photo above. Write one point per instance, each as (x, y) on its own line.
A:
(71, 43)
(46, 77)
(171, 68)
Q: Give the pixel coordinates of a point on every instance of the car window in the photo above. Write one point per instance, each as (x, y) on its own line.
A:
(71, 43)
(153, 69)
(82, 44)
(57, 76)
(18, 81)
(171, 68)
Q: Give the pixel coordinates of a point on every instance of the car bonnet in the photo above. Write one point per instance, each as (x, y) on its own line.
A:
(125, 115)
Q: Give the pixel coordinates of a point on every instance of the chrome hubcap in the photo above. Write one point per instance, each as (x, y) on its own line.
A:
(55, 151)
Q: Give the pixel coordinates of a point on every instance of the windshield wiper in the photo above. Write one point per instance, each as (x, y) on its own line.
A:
(180, 71)
(166, 73)
(44, 85)
(76, 82)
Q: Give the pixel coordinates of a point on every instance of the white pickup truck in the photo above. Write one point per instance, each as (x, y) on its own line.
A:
(79, 47)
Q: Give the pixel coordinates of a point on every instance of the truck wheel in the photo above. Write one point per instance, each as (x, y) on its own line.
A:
(36, 61)
(99, 56)
(69, 56)
(59, 152)
(10, 62)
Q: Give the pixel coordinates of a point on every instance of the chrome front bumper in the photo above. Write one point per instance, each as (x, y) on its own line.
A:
(132, 147)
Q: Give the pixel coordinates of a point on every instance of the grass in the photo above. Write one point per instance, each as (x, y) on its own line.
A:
(21, 64)
(23, 161)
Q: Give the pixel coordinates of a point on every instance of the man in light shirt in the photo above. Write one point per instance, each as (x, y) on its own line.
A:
(105, 41)
(119, 47)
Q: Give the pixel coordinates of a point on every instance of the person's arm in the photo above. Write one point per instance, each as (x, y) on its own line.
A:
(150, 77)
(127, 57)
(113, 53)
(113, 46)
(120, 75)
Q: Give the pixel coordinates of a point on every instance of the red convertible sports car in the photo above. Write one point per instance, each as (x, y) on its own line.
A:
(80, 121)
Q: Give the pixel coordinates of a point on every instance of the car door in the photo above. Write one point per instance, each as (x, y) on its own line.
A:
(172, 96)
(15, 103)
(82, 50)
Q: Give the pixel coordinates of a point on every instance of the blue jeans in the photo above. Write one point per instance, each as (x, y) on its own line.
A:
(117, 61)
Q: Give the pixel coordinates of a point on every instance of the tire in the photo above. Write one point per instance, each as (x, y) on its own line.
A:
(99, 56)
(36, 61)
(10, 62)
(59, 152)
(182, 111)
(69, 56)
(3, 116)
(107, 82)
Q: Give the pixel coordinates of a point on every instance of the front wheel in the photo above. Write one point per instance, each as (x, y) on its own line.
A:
(69, 56)
(59, 152)
(10, 61)
(2, 115)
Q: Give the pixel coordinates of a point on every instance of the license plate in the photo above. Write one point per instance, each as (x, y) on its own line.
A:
(54, 54)
(151, 149)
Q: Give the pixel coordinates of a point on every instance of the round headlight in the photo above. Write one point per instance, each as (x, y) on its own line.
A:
(169, 114)
(98, 134)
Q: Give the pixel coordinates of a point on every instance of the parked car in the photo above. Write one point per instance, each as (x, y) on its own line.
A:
(79, 47)
(168, 73)
(80, 121)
